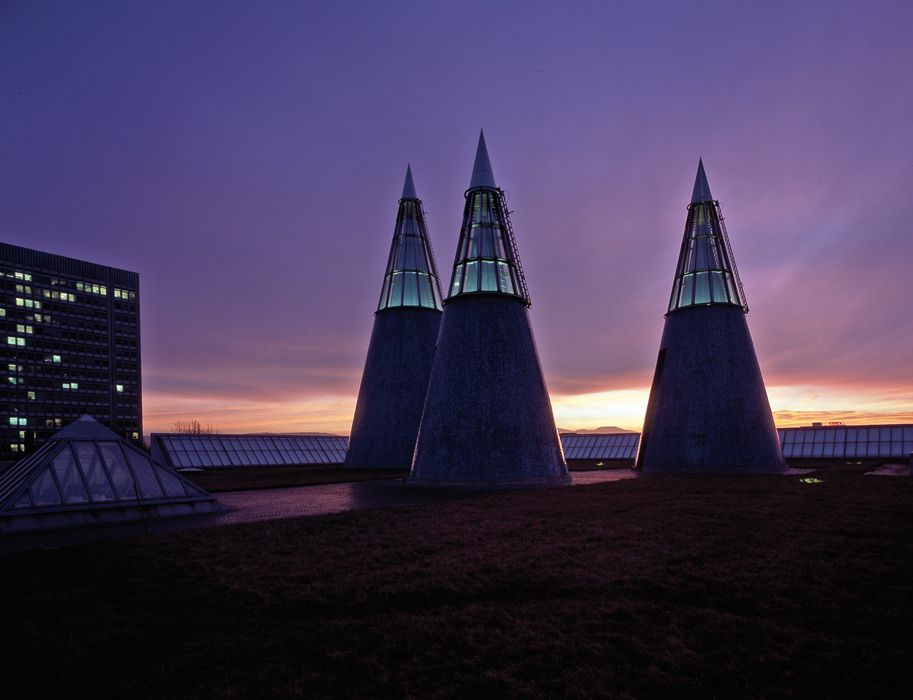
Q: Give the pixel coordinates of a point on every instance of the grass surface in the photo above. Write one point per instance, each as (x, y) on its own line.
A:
(241, 479)
(681, 585)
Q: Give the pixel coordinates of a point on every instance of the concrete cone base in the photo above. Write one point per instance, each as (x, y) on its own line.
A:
(487, 419)
(708, 409)
(393, 388)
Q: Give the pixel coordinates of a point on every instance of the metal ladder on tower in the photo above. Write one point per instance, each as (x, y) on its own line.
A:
(514, 252)
(735, 268)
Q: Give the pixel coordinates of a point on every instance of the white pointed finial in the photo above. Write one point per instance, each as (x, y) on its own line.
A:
(701, 192)
(409, 185)
(482, 173)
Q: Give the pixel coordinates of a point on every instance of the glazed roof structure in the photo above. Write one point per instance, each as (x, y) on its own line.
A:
(487, 260)
(411, 278)
(706, 274)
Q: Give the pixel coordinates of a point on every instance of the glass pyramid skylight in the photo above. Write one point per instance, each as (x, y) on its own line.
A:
(706, 272)
(411, 278)
(86, 467)
(487, 260)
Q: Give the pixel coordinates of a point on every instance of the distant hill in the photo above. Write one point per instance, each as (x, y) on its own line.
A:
(602, 430)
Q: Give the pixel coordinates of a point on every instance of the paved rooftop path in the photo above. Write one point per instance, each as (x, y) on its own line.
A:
(298, 501)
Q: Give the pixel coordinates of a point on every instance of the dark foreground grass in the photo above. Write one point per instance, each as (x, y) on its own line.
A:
(703, 586)
(241, 479)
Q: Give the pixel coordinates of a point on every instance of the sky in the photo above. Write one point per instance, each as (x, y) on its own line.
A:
(246, 159)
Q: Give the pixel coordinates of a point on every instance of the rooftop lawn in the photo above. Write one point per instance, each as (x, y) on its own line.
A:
(720, 586)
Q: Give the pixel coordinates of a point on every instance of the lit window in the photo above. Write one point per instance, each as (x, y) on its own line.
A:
(119, 388)
(31, 395)
(55, 358)
(2, 312)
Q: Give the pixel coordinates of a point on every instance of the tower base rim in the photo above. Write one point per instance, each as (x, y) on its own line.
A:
(493, 484)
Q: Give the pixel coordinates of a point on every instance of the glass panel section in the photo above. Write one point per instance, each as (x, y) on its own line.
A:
(143, 471)
(719, 288)
(457, 285)
(687, 291)
(410, 289)
(396, 292)
(504, 279)
(100, 489)
(472, 277)
(425, 298)
(489, 282)
(24, 501)
(173, 486)
(702, 288)
(74, 491)
(44, 491)
(733, 293)
(124, 486)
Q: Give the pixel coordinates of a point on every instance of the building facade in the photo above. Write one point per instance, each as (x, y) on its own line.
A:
(488, 419)
(398, 363)
(708, 409)
(71, 346)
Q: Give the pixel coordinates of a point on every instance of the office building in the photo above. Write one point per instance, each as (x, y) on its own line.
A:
(70, 346)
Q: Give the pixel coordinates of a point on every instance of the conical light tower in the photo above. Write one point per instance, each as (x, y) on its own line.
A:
(708, 409)
(488, 420)
(401, 350)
